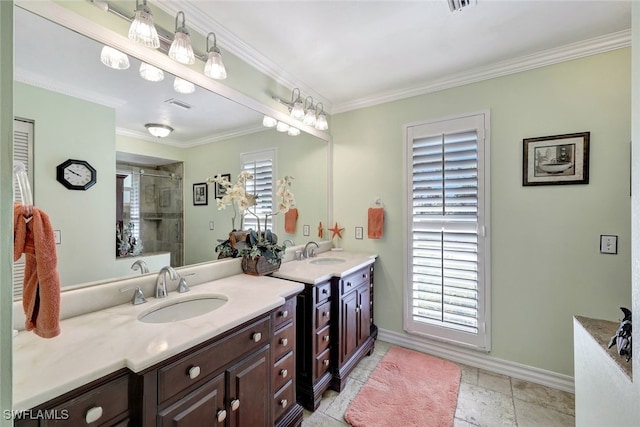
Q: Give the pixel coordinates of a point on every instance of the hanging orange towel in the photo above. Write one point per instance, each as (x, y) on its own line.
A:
(41, 287)
(290, 219)
(376, 220)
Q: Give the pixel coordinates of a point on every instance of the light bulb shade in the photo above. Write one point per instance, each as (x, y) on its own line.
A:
(310, 118)
(293, 131)
(297, 112)
(158, 130)
(181, 50)
(282, 127)
(321, 122)
(142, 30)
(183, 86)
(151, 73)
(113, 58)
(214, 67)
(269, 122)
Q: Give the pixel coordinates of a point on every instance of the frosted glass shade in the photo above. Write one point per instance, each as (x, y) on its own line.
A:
(321, 122)
(297, 112)
(269, 122)
(293, 131)
(158, 130)
(214, 67)
(142, 30)
(282, 127)
(114, 58)
(310, 117)
(151, 73)
(181, 50)
(183, 86)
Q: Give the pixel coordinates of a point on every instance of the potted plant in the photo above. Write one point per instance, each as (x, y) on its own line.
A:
(260, 251)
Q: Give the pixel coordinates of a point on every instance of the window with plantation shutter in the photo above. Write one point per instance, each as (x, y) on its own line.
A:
(22, 152)
(261, 165)
(447, 267)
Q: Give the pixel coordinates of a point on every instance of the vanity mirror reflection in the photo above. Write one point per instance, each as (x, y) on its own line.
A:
(84, 110)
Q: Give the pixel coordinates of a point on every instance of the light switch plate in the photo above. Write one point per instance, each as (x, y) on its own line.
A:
(359, 233)
(58, 236)
(608, 244)
(306, 230)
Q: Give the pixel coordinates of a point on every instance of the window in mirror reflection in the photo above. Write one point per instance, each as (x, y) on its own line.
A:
(261, 165)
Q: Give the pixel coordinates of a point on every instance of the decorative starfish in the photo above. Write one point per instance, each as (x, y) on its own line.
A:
(320, 230)
(336, 231)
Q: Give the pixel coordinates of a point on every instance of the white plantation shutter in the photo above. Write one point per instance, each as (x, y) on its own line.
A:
(22, 152)
(447, 250)
(261, 165)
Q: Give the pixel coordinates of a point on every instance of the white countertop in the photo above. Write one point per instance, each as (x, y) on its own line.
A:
(99, 343)
(306, 271)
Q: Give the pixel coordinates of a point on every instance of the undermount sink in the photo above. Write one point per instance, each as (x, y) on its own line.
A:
(183, 309)
(327, 261)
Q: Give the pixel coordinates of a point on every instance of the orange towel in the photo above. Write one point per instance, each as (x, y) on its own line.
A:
(376, 220)
(41, 287)
(290, 219)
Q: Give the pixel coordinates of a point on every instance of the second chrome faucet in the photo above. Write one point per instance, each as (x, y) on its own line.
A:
(161, 280)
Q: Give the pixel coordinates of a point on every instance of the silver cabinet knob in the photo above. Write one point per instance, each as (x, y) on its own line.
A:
(93, 414)
(221, 415)
(284, 373)
(285, 313)
(325, 338)
(256, 337)
(284, 403)
(235, 404)
(325, 362)
(194, 372)
(284, 342)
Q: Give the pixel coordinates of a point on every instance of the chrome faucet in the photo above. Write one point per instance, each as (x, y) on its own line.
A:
(291, 242)
(140, 265)
(161, 280)
(309, 254)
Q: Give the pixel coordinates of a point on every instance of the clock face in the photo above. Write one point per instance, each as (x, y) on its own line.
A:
(76, 174)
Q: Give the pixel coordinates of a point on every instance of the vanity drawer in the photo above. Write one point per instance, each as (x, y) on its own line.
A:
(322, 363)
(284, 313)
(283, 341)
(323, 292)
(282, 400)
(323, 337)
(323, 314)
(351, 281)
(95, 407)
(191, 369)
(283, 370)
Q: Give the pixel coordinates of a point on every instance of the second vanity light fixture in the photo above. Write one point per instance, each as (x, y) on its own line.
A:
(305, 111)
(181, 50)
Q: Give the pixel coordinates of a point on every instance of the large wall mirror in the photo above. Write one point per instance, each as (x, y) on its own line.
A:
(84, 110)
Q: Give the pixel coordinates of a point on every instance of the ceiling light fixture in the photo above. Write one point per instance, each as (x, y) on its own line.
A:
(181, 50)
(151, 73)
(321, 118)
(297, 110)
(142, 29)
(214, 67)
(113, 58)
(183, 86)
(158, 130)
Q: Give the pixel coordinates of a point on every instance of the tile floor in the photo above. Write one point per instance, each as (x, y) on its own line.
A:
(485, 399)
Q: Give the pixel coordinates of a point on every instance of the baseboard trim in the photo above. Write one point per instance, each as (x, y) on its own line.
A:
(480, 360)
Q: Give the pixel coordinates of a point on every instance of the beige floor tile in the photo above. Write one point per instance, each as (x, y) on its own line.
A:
(469, 374)
(343, 400)
(327, 399)
(532, 415)
(322, 420)
(483, 407)
(544, 396)
(495, 382)
(462, 423)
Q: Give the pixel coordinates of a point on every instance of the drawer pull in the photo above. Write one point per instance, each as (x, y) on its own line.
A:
(357, 309)
(284, 373)
(349, 284)
(284, 342)
(93, 414)
(194, 372)
(324, 291)
(256, 337)
(285, 313)
(284, 403)
(221, 415)
(325, 313)
(325, 338)
(235, 404)
(325, 362)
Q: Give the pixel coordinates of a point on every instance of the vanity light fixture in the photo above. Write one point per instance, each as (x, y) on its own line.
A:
(151, 73)
(297, 110)
(181, 50)
(310, 114)
(142, 29)
(321, 118)
(459, 4)
(183, 86)
(158, 130)
(269, 122)
(113, 58)
(282, 127)
(214, 67)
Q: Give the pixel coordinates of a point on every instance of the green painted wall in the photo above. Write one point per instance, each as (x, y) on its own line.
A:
(546, 265)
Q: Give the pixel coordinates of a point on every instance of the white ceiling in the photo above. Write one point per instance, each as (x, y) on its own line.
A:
(355, 53)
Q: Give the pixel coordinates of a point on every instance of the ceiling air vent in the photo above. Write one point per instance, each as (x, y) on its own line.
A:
(460, 4)
(178, 103)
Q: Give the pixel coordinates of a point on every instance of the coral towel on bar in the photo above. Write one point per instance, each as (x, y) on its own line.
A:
(41, 287)
(376, 219)
(290, 219)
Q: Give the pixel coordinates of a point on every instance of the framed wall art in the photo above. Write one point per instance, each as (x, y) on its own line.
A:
(200, 194)
(557, 159)
(220, 190)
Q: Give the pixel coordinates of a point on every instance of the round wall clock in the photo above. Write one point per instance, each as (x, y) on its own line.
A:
(76, 174)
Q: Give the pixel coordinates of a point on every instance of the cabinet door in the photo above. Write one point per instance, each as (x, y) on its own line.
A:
(202, 407)
(249, 396)
(364, 311)
(348, 325)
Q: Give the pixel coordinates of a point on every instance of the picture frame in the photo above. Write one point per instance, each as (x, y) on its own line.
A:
(219, 189)
(200, 194)
(556, 159)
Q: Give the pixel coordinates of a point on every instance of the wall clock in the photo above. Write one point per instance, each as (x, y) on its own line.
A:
(76, 174)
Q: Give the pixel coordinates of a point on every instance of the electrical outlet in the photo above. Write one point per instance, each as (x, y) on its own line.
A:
(608, 244)
(359, 233)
